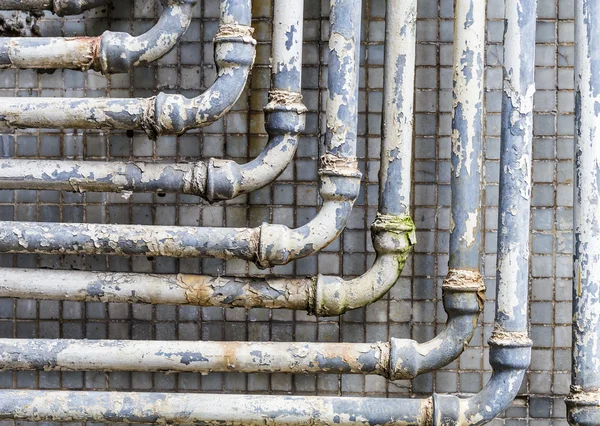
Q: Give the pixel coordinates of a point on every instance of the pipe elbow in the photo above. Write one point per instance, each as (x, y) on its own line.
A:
(120, 52)
(176, 114)
(285, 120)
(510, 355)
(393, 239)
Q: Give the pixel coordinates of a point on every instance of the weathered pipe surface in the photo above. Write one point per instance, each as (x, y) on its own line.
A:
(199, 357)
(583, 403)
(467, 135)
(159, 115)
(210, 409)
(214, 179)
(395, 173)
(110, 53)
(60, 7)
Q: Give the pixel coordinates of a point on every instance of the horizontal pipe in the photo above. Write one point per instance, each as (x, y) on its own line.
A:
(59, 7)
(209, 409)
(159, 115)
(213, 179)
(199, 357)
(397, 359)
(110, 53)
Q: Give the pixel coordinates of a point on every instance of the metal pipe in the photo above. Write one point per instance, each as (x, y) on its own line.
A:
(467, 140)
(213, 179)
(583, 402)
(59, 7)
(393, 237)
(266, 245)
(110, 53)
(209, 409)
(510, 346)
(159, 115)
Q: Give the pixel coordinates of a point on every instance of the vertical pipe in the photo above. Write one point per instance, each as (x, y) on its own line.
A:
(515, 165)
(343, 67)
(584, 400)
(467, 134)
(288, 35)
(398, 93)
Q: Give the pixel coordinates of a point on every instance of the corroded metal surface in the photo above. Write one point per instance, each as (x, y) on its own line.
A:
(583, 403)
(208, 409)
(467, 135)
(200, 357)
(112, 52)
(60, 7)
(159, 115)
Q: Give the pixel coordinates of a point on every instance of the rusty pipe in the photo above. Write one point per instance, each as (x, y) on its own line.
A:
(59, 7)
(110, 53)
(583, 402)
(159, 115)
(266, 245)
(467, 141)
(393, 237)
(213, 179)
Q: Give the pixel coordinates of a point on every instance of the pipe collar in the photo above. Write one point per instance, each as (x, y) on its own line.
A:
(583, 407)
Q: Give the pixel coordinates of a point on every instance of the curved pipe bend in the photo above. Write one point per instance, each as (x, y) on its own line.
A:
(59, 7)
(165, 114)
(110, 53)
(213, 179)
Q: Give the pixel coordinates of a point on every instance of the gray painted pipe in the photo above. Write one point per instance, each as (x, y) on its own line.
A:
(266, 245)
(510, 345)
(60, 7)
(213, 179)
(322, 295)
(110, 53)
(467, 135)
(159, 115)
(583, 403)
(209, 409)
(397, 359)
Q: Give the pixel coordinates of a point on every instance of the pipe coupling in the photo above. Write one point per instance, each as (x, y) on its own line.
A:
(339, 178)
(583, 407)
(223, 180)
(285, 114)
(510, 350)
(463, 292)
(393, 234)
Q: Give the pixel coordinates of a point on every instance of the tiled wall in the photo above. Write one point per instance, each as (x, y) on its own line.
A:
(413, 307)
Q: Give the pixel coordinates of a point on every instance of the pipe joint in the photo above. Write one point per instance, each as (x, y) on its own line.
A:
(285, 113)
(463, 292)
(583, 407)
(229, 34)
(510, 350)
(393, 234)
(113, 56)
(404, 360)
(223, 180)
(339, 178)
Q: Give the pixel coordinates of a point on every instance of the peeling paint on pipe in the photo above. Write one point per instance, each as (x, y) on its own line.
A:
(395, 173)
(213, 179)
(210, 409)
(59, 7)
(583, 402)
(164, 114)
(467, 135)
(110, 53)
(267, 245)
(510, 346)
